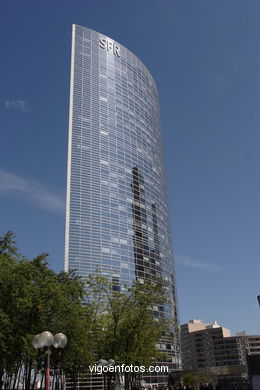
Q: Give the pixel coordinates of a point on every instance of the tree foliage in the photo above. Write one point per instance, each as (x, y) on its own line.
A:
(109, 324)
(194, 379)
(123, 325)
(34, 298)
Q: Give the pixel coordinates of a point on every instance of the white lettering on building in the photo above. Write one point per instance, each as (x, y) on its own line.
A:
(109, 46)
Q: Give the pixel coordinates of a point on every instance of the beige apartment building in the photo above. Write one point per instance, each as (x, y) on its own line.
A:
(210, 349)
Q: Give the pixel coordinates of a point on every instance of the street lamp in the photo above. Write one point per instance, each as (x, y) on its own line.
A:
(46, 339)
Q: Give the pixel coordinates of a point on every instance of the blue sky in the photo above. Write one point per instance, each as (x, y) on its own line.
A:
(205, 58)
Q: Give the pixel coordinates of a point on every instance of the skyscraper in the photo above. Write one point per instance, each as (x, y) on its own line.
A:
(117, 220)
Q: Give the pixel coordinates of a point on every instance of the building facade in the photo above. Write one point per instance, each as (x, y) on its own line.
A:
(117, 217)
(211, 350)
(199, 344)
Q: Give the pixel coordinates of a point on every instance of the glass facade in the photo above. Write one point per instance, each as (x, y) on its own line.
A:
(117, 220)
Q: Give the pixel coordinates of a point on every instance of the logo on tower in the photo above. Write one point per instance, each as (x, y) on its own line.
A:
(109, 46)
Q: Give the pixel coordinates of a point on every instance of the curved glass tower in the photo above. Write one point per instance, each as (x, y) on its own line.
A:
(117, 220)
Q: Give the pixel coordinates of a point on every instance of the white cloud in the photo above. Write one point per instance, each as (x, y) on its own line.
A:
(21, 105)
(189, 262)
(32, 191)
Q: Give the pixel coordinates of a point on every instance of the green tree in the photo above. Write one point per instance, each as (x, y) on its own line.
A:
(34, 298)
(194, 379)
(110, 324)
(123, 323)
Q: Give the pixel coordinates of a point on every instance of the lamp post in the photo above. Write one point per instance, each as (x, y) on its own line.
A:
(46, 340)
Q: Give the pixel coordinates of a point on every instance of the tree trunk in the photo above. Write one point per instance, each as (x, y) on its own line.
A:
(126, 381)
(1, 377)
(34, 379)
(42, 380)
(17, 375)
(28, 375)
